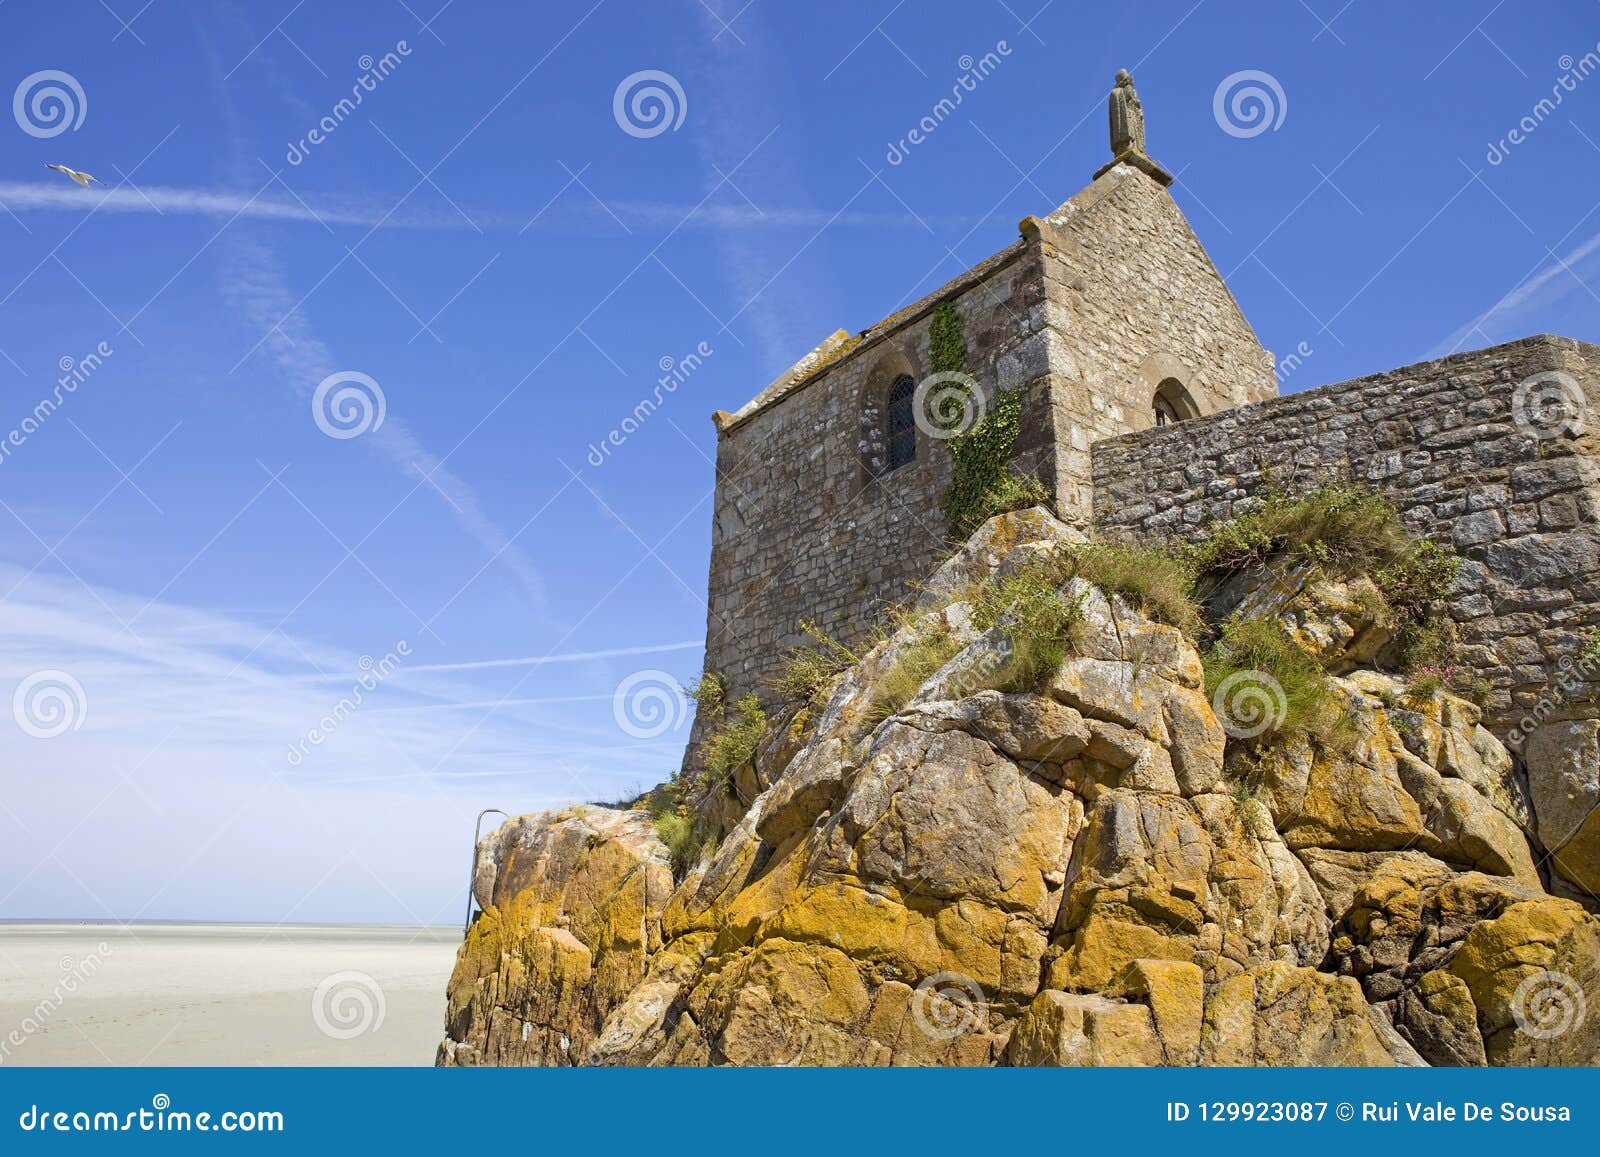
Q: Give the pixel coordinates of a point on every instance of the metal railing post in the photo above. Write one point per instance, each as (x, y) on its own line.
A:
(472, 880)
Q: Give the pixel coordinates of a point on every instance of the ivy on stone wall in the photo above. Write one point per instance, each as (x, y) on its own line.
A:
(947, 346)
(982, 484)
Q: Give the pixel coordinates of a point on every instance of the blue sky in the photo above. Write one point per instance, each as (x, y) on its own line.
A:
(510, 267)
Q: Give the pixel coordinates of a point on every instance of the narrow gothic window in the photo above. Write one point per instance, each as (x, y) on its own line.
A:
(1166, 415)
(902, 422)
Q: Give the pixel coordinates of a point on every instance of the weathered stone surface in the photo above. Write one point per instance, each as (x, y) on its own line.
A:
(574, 914)
(1408, 917)
(1175, 991)
(1367, 791)
(1324, 797)
(1086, 873)
(1442, 441)
(1277, 1014)
(1337, 621)
(1439, 1019)
(995, 548)
(1531, 973)
(1564, 778)
(810, 523)
(1339, 874)
(1073, 1030)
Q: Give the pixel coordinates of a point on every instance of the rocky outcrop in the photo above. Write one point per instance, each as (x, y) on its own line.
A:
(1564, 775)
(571, 924)
(1087, 870)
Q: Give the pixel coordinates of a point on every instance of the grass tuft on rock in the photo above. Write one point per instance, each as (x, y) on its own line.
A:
(1344, 531)
(931, 648)
(1345, 528)
(1159, 583)
(677, 832)
(809, 672)
(709, 693)
(1038, 620)
(1263, 685)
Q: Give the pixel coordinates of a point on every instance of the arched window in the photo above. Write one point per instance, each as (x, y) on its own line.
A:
(902, 422)
(1172, 403)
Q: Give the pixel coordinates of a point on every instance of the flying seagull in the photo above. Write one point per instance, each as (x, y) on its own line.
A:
(82, 178)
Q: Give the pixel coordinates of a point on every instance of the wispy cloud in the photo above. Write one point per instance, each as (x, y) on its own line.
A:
(571, 657)
(1534, 294)
(254, 281)
(377, 212)
(184, 742)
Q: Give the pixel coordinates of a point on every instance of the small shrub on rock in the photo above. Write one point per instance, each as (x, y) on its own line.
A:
(809, 672)
(734, 741)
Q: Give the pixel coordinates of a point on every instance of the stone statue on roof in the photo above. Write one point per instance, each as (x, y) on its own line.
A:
(1127, 117)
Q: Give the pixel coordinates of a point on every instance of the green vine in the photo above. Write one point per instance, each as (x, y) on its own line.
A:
(983, 484)
(947, 346)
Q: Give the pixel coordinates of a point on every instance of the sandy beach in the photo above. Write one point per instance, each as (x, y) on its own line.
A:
(222, 994)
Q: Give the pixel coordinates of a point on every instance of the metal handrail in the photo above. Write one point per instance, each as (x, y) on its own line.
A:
(472, 880)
